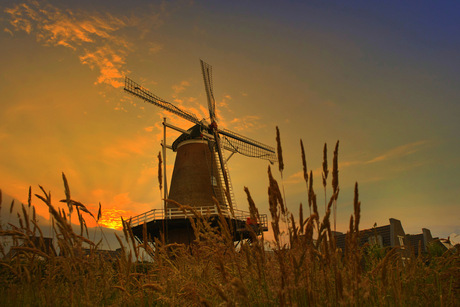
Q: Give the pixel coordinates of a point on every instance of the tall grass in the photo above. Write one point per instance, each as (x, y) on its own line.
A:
(305, 269)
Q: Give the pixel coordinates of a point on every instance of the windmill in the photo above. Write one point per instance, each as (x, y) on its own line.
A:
(200, 175)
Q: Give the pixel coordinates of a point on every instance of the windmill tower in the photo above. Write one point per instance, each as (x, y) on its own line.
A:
(200, 172)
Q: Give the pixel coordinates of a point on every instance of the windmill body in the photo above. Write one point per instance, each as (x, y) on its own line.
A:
(200, 179)
(195, 179)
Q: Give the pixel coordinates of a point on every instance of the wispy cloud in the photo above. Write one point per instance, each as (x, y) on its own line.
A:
(126, 148)
(248, 122)
(400, 151)
(298, 176)
(178, 88)
(96, 38)
(390, 155)
(199, 108)
(109, 63)
(154, 47)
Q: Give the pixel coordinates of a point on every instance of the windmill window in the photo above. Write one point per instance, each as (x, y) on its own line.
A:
(376, 240)
(401, 241)
(213, 181)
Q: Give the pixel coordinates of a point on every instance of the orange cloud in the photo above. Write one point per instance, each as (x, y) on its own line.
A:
(178, 88)
(8, 31)
(188, 104)
(224, 102)
(148, 174)
(155, 48)
(246, 122)
(92, 36)
(125, 148)
(108, 63)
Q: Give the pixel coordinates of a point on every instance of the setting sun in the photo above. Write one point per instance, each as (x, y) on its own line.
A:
(111, 218)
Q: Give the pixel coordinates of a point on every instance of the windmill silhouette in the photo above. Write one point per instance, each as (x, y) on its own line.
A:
(200, 175)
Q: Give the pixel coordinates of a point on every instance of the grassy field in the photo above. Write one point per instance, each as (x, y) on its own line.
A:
(306, 270)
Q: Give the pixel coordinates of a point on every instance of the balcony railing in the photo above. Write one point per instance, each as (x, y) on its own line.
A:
(176, 213)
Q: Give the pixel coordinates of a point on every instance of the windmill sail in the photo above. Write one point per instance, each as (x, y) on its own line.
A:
(220, 188)
(230, 140)
(246, 146)
(206, 69)
(137, 90)
(200, 173)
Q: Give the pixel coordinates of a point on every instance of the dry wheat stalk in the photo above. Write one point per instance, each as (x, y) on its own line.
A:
(155, 287)
(29, 198)
(275, 191)
(357, 207)
(253, 211)
(335, 180)
(67, 195)
(304, 163)
(310, 191)
(212, 273)
(325, 169)
(335, 169)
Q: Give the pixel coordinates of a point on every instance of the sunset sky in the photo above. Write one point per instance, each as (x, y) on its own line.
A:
(380, 76)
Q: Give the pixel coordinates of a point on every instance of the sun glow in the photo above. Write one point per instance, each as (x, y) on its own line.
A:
(111, 218)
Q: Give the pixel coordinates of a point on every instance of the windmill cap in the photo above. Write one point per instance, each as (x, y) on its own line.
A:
(194, 134)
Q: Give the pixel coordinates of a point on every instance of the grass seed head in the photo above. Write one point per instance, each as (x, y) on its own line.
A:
(325, 169)
(279, 151)
(99, 212)
(310, 191)
(67, 193)
(335, 168)
(307, 272)
(253, 211)
(304, 163)
(357, 207)
(29, 199)
(12, 206)
(275, 191)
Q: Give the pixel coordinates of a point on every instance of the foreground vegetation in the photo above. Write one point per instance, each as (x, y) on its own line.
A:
(301, 267)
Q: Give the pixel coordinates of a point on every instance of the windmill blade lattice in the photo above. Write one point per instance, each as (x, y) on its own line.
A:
(236, 142)
(137, 90)
(206, 69)
(200, 178)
